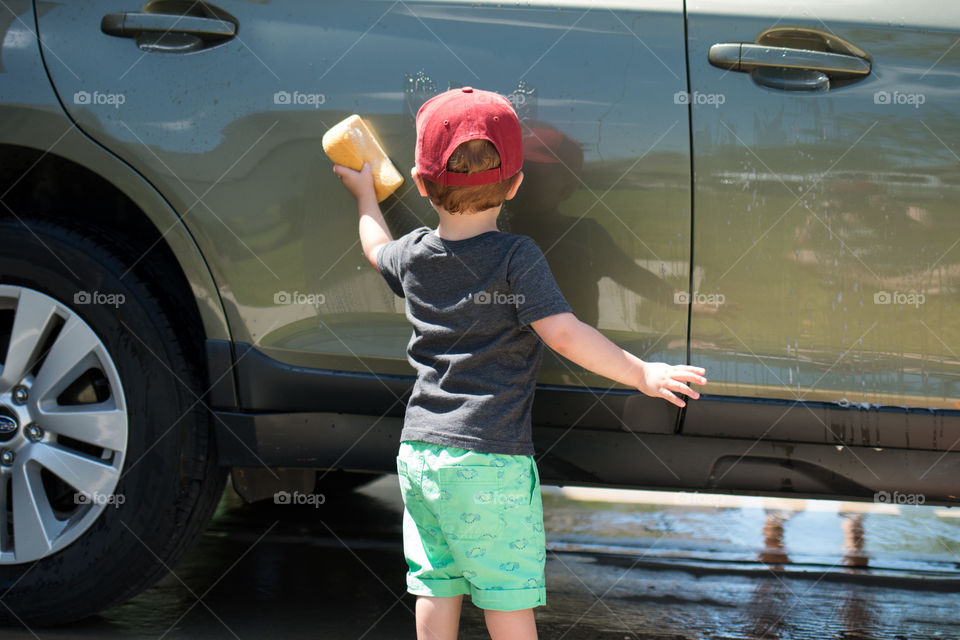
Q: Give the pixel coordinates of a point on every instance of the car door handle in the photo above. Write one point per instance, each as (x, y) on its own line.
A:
(168, 32)
(132, 24)
(743, 56)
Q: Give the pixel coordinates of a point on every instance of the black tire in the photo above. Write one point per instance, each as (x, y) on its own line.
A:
(171, 480)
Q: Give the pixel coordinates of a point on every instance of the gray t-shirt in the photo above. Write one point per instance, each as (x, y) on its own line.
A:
(471, 302)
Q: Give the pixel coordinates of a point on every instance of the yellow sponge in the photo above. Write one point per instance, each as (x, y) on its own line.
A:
(352, 142)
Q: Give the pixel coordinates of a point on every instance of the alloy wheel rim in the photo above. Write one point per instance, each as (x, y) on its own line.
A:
(63, 426)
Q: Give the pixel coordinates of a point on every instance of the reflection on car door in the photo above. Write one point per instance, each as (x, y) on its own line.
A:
(825, 219)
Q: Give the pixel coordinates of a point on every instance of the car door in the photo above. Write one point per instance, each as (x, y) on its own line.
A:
(825, 221)
(222, 108)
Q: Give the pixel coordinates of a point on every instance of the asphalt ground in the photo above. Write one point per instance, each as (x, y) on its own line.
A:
(620, 565)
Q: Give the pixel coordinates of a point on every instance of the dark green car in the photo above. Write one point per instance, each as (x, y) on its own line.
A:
(770, 194)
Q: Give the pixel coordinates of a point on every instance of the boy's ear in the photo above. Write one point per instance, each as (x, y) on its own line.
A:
(516, 185)
(418, 180)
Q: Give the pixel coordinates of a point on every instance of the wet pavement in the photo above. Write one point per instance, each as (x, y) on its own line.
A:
(621, 564)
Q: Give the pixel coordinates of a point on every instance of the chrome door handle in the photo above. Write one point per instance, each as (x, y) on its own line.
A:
(742, 56)
(132, 24)
(168, 32)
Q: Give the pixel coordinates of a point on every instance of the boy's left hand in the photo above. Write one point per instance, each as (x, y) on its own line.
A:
(359, 183)
(661, 380)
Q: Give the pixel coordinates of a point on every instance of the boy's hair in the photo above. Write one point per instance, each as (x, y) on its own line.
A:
(471, 156)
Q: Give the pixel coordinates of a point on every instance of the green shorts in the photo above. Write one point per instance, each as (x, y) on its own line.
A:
(472, 524)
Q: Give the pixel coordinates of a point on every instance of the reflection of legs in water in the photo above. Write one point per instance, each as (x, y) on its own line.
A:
(772, 600)
(768, 608)
(858, 616)
(769, 603)
(858, 619)
(852, 525)
(773, 552)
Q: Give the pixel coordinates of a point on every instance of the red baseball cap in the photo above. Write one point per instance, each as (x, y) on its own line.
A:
(447, 120)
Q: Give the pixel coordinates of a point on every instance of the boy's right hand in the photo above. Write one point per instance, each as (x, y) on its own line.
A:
(359, 183)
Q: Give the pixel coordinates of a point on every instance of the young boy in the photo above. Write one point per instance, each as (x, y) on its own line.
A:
(480, 301)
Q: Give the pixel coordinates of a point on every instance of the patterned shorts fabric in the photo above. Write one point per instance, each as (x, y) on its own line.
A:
(472, 524)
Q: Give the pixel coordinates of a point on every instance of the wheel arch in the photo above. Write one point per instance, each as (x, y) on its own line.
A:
(50, 169)
(42, 182)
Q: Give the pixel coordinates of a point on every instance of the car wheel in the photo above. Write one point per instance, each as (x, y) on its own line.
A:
(108, 470)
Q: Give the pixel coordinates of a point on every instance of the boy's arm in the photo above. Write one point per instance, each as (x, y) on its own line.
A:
(584, 345)
(373, 228)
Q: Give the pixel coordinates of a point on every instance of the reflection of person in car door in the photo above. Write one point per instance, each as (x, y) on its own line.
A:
(552, 162)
